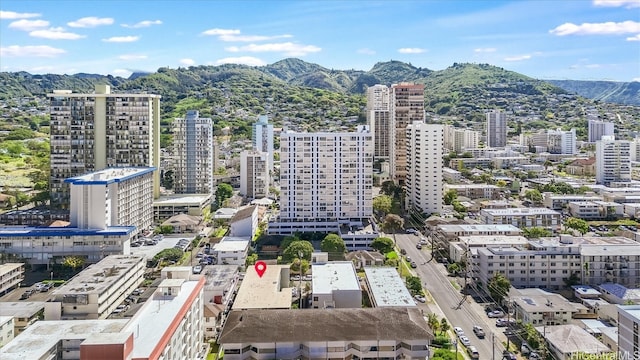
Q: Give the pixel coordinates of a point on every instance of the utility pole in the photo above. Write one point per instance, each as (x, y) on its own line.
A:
(493, 346)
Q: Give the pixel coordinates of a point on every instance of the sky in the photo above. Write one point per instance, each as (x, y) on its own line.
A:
(544, 39)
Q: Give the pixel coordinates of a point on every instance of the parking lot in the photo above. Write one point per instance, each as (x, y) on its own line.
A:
(149, 251)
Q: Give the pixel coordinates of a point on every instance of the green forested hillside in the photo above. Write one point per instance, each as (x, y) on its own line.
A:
(608, 91)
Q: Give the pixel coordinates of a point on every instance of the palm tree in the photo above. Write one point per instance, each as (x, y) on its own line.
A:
(433, 322)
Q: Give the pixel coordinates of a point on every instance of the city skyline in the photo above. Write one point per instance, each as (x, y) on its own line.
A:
(581, 40)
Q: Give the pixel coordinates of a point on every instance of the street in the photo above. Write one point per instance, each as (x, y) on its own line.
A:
(464, 313)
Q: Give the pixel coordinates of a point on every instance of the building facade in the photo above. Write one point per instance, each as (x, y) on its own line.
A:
(193, 152)
(11, 275)
(112, 197)
(561, 142)
(597, 129)
(406, 106)
(262, 136)
(629, 331)
(335, 285)
(496, 129)
(254, 174)
(424, 182)
(523, 218)
(379, 120)
(91, 132)
(613, 160)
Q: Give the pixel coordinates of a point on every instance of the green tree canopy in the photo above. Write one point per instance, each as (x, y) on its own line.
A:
(251, 259)
(287, 240)
(536, 232)
(383, 203)
(443, 354)
(170, 254)
(297, 264)
(444, 325)
(74, 262)
(498, 287)
(292, 251)
(334, 245)
(223, 192)
(414, 284)
(392, 223)
(382, 244)
(450, 196)
(533, 195)
(577, 224)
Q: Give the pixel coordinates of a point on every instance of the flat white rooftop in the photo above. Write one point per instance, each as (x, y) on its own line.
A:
(271, 291)
(480, 228)
(154, 319)
(21, 309)
(231, 246)
(612, 250)
(184, 199)
(387, 288)
(39, 338)
(333, 276)
(520, 211)
(217, 276)
(109, 175)
(484, 240)
(99, 277)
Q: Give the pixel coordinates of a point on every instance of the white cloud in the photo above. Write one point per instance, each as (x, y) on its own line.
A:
(411, 50)
(28, 25)
(122, 39)
(188, 62)
(634, 38)
(90, 22)
(14, 15)
(37, 51)
(288, 48)
(606, 28)
(122, 72)
(143, 24)
(40, 69)
(218, 32)
(518, 58)
(484, 50)
(251, 38)
(617, 3)
(636, 79)
(130, 57)
(57, 33)
(366, 51)
(244, 60)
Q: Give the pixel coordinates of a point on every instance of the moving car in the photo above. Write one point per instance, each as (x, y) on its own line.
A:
(414, 265)
(419, 246)
(495, 314)
(478, 331)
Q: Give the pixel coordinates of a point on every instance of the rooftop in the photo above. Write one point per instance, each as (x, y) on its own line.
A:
(390, 323)
(109, 176)
(477, 240)
(244, 213)
(39, 338)
(99, 277)
(21, 309)
(620, 291)
(8, 267)
(612, 250)
(217, 276)
(631, 310)
(471, 186)
(231, 245)
(520, 211)
(538, 300)
(334, 276)
(585, 290)
(387, 288)
(571, 338)
(479, 228)
(182, 199)
(157, 316)
(271, 291)
(28, 231)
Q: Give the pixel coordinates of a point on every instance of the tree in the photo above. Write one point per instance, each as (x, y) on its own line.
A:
(536, 232)
(393, 223)
(433, 322)
(223, 192)
(74, 262)
(390, 188)
(334, 245)
(533, 195)
(251, 259)
(443, 354)
(450, 196)
(498, 287)
(292, 251)
(382, 244)
(383, 204)
(164, 229)
(298, 264)
(414, 284)
(573, 279)
(444, 325)
(171, 254)
(577, 224)
(287, 240)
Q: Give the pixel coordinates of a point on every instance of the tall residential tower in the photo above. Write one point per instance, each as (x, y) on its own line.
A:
(193, 151)
(425, 147)
(378, 118)
(263, 140)
(407, 106)
(496, 129)
(91, 132)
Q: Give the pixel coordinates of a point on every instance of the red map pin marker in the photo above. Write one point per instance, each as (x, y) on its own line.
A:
(260, 267)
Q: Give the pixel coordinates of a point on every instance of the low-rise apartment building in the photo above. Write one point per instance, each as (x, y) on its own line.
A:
(6, 329)
(476, 191)
(542, 308)
(386, 288)
(523, 218)
(617, 261)
(271, 291)
(335, 285)
(569, 341)
(595, 210)
(24, 313)
(96, 291)
(167, 206)
(245, 222)
(560, 201)
(445, 234)
(628, 331)
(11, 275)
(385, 332)
(231, 251)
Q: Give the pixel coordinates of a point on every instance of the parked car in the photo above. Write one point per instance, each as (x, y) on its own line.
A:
(465, 340)
(502, 323)
(507, 355)
(473, 352)
(458, 330)
(478, 331)
(420, 298)
(197, 269)
(495, 314)
(25, 295)
(418, 246)
(411, 231)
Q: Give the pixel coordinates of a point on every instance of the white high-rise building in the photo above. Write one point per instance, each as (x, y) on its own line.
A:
(91, 132)
(561, 142)
(460, 139)
(263, 139)
(378, 118)
(407, 105)
(613, 160)
(424, 167)
(254, 174)
(598, 129)
(193, 151)
(112, 197)
(628, 331)
(325, 176)
(496, 129)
